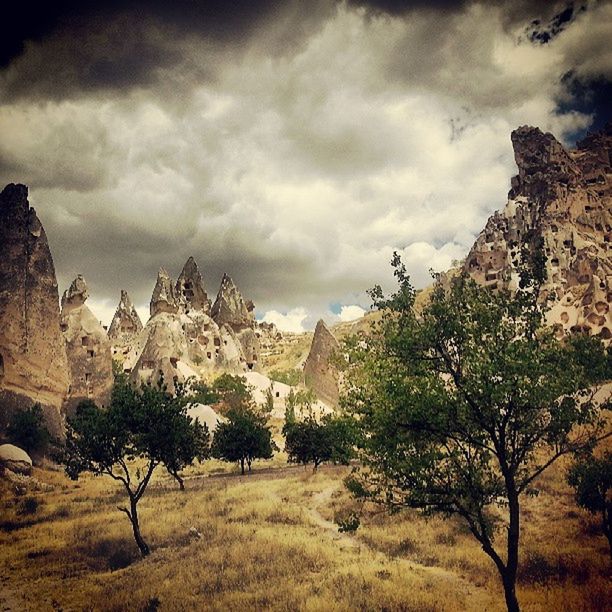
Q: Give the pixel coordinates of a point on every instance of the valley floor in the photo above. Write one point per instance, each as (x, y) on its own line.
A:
(269, 541)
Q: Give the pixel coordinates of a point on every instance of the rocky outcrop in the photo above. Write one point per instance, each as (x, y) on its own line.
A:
(87, 347)
(189, 290)
(33, 364)
(163, 298)
(181, 339)
(320, 373)
(230, 310)
(562, 200)
(125, 326)
(15, 459)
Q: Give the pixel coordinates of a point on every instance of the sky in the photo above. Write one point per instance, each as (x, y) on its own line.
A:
(294, 145)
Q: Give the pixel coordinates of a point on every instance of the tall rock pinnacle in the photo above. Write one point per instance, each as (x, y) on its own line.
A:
(87, 347)
(126, 323)
(33, 364)
(189, 290)
(320, 374)
(230, 308)
(163, 298)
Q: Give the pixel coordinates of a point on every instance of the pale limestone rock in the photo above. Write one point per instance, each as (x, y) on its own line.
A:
(562, 198)
(163, 298)
(320, 374)
(87, 347)
(15, 459)
(189, 290)
(33, 364)
(126, 324)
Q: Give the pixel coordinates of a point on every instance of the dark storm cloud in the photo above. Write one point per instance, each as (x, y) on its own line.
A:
(293, 145)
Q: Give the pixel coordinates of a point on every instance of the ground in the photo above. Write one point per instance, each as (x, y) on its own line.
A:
(269, 541)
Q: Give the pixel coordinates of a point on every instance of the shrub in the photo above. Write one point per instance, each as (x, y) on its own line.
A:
(27, 430)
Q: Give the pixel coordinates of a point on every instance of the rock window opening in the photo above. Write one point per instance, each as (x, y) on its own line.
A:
(85, 341)
(278, 394)
(173, 361)
(217, 342)
(87, 377)
(250, 366)
(64, 326)
(90, 353)
(209, 355)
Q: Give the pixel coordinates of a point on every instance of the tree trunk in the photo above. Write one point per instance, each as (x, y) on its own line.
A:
(514, 531)
(242, 466)
(607, 526)
(142, 545)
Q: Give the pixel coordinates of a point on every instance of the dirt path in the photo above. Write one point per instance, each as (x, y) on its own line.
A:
(477, 598)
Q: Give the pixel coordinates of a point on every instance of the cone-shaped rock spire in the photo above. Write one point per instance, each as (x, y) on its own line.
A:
(189, 290)
(163, 298)
(320, 374)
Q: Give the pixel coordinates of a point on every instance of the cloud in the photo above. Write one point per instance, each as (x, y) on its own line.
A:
(296, 151)
(292, 321)
(352, 312)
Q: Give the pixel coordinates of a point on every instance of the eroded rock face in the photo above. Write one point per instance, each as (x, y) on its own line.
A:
(126, 324)
(230, 308)
(87, 347)
(177, 344)
(232, 311)
(189, 290)
(15, 459)
(33, 364)
(562, 198)
(163, 298)
(320, 374)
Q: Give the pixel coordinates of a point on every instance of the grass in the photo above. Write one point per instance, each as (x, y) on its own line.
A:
(266, 543)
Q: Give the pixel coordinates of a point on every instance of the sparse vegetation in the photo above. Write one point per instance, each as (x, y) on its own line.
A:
(591, 478)
(141, 429)
(291, 377)
(464, 406)
(245, 436)
(27, 430)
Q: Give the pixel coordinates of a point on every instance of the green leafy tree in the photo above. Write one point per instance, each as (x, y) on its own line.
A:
(231, 391)
(140, 430)
(591, 478)
(27, 430)
(462, 407)
(244, 437)
(200, 392)
(316, 441)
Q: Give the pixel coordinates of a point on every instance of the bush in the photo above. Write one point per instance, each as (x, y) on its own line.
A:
(27, 506)
(27, 430)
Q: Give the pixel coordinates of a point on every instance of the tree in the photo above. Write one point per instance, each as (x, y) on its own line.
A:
(231, 391)
(312, 440)
(462, 407)
(27, 429)
(591, 478)
(141, 426)
(287, 377)
(244, 437)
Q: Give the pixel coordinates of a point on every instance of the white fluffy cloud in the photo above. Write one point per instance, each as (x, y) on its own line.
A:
(298, 173)
(292, 321)
(352, 312)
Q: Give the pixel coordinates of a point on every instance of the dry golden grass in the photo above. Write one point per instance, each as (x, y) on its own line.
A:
(267, 543)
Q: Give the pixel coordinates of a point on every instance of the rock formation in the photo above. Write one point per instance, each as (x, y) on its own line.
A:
(15, 459)
(163, 298)
(232, 312)
(320, 374)
(33, 365)
(181, 339)
(189, 290)
(87, 347)
(562, 199)
(125, 326)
